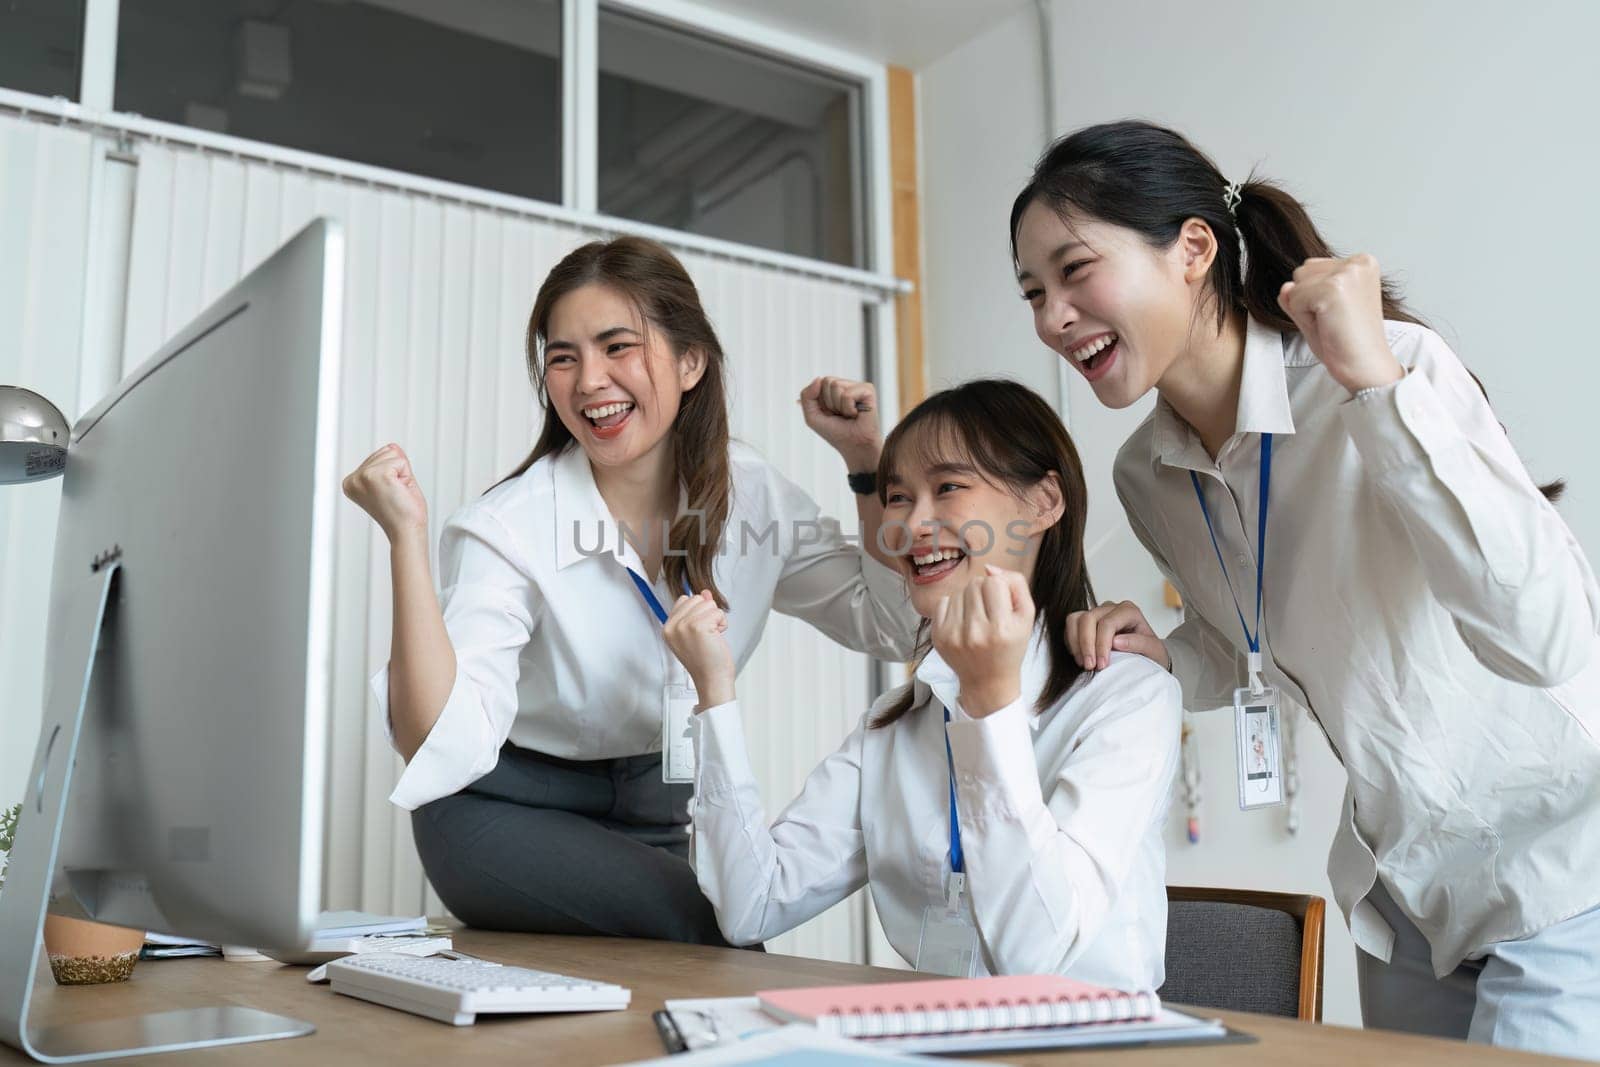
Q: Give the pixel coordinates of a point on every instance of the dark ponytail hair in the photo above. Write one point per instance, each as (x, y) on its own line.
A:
(1013, 438)
(1151, 180)
(648, 274)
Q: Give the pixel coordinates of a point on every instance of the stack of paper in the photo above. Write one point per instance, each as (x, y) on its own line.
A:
(721, 1021)
(795, 1046)
(345, 933)
(167, 947)
(337, 924)
(338, 933)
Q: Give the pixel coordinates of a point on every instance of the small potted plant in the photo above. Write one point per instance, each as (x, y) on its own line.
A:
(8, 834)
(81, 952)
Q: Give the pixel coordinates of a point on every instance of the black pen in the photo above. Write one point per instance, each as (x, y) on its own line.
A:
(670, 1037)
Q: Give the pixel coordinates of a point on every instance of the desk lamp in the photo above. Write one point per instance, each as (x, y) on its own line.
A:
(33, 437)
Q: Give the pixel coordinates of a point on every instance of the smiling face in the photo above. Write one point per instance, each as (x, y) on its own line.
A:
(946, 520)
(1118, 310)
(613, 379)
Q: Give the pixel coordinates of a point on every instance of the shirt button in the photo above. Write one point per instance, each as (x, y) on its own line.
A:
(1244, 560)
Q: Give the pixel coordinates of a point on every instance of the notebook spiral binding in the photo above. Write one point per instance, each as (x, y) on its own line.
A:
(979, 1015)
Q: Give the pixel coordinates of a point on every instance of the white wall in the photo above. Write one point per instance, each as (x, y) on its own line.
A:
(45, 192)
(1455, 141)
(981, 113)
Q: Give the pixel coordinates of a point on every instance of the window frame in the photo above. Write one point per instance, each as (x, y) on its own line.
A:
(869, 119)
(579, 125)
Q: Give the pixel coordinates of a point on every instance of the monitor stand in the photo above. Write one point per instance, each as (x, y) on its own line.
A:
(32, 865)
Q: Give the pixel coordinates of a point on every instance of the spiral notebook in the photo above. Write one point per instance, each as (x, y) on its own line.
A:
(955, 1006)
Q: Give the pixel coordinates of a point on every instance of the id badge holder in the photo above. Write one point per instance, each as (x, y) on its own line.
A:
(1255, 722)
(948, 943)
(677, 750)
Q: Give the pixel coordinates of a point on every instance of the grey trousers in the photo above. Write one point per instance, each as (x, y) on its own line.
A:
(1539, 994)
(554, 846)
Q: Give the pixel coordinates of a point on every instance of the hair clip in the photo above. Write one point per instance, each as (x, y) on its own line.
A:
(1231, 197)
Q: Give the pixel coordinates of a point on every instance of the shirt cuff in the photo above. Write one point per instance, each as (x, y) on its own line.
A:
(1399, 425)
(721, 758)
(995, 768)
(452, 756)
(1198, 677)
(379, 687)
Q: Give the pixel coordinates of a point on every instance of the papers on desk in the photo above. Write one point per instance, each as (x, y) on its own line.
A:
(167, 947)
(794, 1045)
(1167, 1027)
(719, 1022)
(325, 950)
(348, 933)
(332, 925)
(338, 933)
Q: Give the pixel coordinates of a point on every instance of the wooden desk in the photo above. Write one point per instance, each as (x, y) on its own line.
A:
(355, 1031)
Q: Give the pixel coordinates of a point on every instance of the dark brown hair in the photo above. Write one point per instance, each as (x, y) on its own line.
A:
(1152, 180)
(1013, 439)
(665, 298)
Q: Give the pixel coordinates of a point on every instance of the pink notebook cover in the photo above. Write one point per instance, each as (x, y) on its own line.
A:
(956, 995)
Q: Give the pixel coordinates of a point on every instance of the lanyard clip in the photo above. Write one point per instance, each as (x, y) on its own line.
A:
(954, 886)
(1257, 686)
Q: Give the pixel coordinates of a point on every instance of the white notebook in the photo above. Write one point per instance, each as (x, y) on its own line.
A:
(716, 1021)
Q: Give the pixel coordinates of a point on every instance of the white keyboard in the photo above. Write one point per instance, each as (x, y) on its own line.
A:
(455, 991)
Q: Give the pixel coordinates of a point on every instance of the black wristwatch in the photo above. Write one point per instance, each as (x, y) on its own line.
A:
(863, 482)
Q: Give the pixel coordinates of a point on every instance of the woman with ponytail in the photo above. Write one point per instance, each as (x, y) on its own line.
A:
(529, 708)
(1347, 523)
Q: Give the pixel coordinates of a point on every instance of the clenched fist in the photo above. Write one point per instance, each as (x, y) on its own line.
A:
(695, 631)
(1337, 304)
(844, 413)
(385, 488)
(983, 633)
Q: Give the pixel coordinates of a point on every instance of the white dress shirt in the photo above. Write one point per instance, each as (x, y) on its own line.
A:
(1427, 605)
(557, 651)
(1061, 819)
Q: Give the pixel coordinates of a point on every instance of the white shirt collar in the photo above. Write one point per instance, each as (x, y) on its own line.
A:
(584, 526)
(1263, 402)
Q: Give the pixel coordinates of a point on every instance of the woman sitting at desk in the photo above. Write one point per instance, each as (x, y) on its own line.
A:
(530, 708)
(1004, 808)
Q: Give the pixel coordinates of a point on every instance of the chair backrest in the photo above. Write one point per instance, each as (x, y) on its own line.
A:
(1244, 950)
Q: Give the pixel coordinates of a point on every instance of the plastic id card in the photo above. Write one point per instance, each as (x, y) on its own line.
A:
(677, 750)
(948, 943)
(1255, 720)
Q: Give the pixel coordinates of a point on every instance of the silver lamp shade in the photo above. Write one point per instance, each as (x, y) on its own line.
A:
(33, 437)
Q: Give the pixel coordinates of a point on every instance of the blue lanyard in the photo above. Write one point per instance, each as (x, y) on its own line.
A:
(956, 862)
(650, 594)
(1253, 640)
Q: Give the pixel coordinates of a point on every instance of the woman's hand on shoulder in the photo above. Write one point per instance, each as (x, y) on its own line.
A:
(844, 413)
(385, 487)
(1337, 304)
(1092, 636)
(983, 633)
(696, 631)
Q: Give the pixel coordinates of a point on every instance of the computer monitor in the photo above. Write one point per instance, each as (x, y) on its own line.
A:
(180, 775)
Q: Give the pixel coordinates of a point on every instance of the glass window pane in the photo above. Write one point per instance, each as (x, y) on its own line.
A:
(698, 135)
(41, 46)
(468, 92)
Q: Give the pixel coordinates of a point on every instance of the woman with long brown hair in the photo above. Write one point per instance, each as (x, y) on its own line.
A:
(1005, 808)
(1348, 524)
(535, 707)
